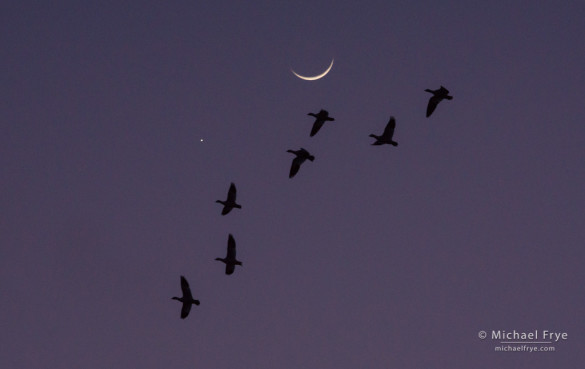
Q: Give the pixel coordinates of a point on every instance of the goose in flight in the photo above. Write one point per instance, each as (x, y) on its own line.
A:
(386, 137)
(320, 119)
(230, 260)
(301, 156)
(438, 96)
(187, 298)
(230, 203)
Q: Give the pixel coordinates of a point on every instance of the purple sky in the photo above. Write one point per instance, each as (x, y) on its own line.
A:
(371, 257)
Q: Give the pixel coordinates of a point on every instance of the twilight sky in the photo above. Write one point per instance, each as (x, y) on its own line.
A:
(371, 257)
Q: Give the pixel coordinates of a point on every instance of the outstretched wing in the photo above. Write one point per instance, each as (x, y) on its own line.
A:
(231, 249)
(226, 209)
(433, 102)
(185, 309)
(294, 168)
(232, 193)
(186, 290)
(317, 126)
(389, 130)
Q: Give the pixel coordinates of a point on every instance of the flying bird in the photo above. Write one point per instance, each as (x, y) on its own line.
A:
(230, 260)
(187, 298)
(438, 96)
(386, 137)
(230, 203)
(301, 156)
(320, 119)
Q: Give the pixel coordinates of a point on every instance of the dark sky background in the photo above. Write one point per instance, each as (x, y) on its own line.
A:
(371, 257)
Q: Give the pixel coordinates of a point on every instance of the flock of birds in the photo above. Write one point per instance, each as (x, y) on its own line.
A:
(301, 156)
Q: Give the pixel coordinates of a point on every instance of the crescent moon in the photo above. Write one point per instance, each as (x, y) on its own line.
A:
(314, 78)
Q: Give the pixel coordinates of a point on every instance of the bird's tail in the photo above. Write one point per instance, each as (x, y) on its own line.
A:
(449, 97)
(394, 143)
(196, 302)
(311, 158)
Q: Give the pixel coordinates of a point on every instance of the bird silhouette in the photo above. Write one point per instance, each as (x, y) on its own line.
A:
(230, 203)
(230, 259)
(438, 96)
(320, 119)
(187, 298)
(301, 156)
(386, 137)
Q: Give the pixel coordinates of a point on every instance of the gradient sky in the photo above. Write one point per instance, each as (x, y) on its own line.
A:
(371, 257)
